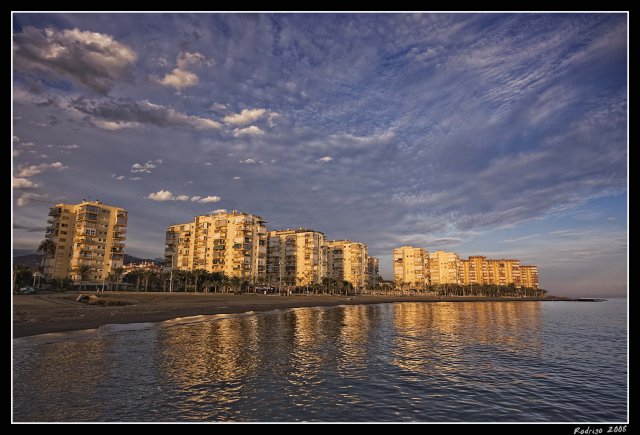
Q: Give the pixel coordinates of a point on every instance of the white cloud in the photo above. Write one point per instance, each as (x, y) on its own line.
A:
(145, 167)
(69, 147)
(26, 198)
(94, 59)
(116, 114)
(114, 125)
(236, 178)
(220, 210)
(135, 178)
(207, 163)
(16, 153)
(120, 177)
(251, 131)
(246, 116)
(31, 170)
(218, 108)
(166, 195)
(16, 139)
(23, 183)
(180, 77)
(325, 159)
(248, 161)
(161, 195)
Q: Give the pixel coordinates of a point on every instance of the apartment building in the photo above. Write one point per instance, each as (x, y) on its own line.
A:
(444, 267)
(373, 271)
(529, 276)
(474, 270)
(86, 234)
(410, 267)
(296, 257)
(234, 243)
(347, 260)
(504, 272)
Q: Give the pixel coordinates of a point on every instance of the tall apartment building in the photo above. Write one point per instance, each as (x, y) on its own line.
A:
(297, 257)
(529, 276)
(347, 261)
(504, 272)
(474, 270)
(373, 271)
(410, 266)
(234, 243)
(86, 234)
(443, 267)
(480, 270)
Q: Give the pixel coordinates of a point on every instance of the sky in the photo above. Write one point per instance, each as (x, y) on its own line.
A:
(496, 134)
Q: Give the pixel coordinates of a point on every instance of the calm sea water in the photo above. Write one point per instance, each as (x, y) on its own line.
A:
(489, 361)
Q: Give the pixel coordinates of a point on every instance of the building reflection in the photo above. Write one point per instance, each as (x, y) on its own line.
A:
(209, 361)
(458, 330)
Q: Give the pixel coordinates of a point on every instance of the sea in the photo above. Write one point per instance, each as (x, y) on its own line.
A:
(396, 362)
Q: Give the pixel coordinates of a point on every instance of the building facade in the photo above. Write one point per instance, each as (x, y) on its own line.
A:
(373, 271)
(234, 243)
(474, 270)
(444, 267)
(410, 267)
(296, 257)
(504, 272)
(87, 234)
(529, 276)
(347, 260)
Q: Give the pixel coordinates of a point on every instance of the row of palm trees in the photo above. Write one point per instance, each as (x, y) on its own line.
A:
(201, 280)
(480, 290)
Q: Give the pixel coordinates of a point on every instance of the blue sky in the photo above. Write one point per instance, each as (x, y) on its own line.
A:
(497, 134)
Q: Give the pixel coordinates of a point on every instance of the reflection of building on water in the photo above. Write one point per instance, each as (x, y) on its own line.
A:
(353, 338)
(508, 326)
(224, 350)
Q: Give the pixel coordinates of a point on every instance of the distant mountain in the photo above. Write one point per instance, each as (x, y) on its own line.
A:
(128, 259)
(30, 260)
(34, 260)
(17, 252)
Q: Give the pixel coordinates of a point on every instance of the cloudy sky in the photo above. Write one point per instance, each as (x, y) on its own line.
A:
(496, 134)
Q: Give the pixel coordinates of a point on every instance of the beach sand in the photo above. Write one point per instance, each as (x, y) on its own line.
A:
(58, 312)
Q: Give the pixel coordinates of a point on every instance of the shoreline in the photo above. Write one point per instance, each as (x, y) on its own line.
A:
(59, 312)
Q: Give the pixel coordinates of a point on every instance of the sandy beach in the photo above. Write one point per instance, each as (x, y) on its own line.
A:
(57, 312)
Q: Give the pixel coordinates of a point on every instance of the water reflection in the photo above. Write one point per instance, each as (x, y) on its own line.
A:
(405, 361)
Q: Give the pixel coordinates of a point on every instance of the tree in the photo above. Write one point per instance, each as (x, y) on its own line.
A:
(48, 250)
(133, 276)
(146, 276)
(22, 276)
(196, 275)
(117, 274)
(82, 272)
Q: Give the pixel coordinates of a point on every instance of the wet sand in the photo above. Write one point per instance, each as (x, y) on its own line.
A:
(58, 312)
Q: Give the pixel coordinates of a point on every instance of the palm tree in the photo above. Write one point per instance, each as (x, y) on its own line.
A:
(197, 274)
(48, 249)
(21, 276)
(117, 273)
(82, 272)
(146, 276)
(134, 276)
